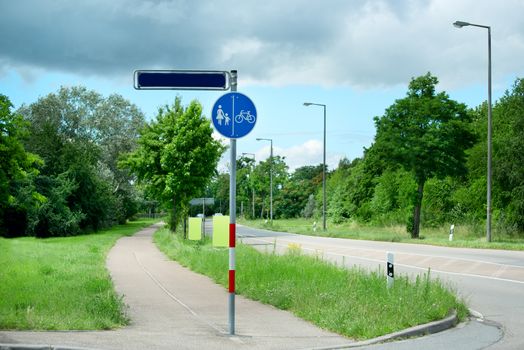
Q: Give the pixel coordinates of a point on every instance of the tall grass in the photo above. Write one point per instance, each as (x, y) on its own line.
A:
(464, 236)
(351, 302)
(61, 283)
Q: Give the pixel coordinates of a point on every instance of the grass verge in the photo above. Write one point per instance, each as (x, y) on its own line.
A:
(350, 302)
(464, 236)
(61, 283)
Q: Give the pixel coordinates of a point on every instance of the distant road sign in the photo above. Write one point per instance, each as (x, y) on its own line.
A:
(181, 80)
(200, 201)
(234, 115)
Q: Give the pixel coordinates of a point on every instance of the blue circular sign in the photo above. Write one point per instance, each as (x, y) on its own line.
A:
(234, 115)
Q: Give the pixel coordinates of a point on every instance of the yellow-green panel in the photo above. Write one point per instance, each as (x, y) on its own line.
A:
(195, 229)
(221, 231)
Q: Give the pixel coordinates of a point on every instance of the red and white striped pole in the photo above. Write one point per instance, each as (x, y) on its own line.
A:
(232, 216)
(232, 242)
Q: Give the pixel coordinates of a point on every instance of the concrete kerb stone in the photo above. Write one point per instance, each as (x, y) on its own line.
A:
(39, 347)
(416, 331)
(23, 347)
(476, 314)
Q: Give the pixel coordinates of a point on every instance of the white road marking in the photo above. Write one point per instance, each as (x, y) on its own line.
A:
(405, 265)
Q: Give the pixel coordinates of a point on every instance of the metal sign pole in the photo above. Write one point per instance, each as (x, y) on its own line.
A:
(204, 217)
(231, 126)
(232, 216)
(233, 115)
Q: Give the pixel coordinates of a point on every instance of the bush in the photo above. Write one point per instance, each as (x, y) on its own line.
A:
(438, 202)
(393, 198)
(309, 209)
(15, 222)
(54, 217)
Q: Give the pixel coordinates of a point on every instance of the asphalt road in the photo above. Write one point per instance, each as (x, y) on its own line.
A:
(491, 281)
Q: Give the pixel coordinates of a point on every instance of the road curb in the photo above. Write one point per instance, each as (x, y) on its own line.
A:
(416, 331)
(40, 347)
(476, 314)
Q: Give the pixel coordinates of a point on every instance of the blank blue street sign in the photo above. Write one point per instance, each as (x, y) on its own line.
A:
(234, 115)
(181, 80)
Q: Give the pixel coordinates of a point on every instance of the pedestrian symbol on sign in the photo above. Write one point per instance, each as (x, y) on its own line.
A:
(220, 115)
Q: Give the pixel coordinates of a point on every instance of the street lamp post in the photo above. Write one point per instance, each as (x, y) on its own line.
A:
(460, 24)
(270, 179)
(324, 166)
(252, 186)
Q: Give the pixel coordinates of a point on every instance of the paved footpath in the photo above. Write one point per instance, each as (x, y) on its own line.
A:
(174, 308)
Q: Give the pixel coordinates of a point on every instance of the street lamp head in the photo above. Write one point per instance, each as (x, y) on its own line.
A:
(460, 24)
(314, 104)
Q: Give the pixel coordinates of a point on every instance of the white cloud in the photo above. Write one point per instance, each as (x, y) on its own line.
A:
(308, 153)
(366, 43)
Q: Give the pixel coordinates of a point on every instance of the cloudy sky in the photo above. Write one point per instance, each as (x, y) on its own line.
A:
(355, 56)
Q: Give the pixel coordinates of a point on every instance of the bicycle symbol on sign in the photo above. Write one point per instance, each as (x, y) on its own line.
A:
(247, 116)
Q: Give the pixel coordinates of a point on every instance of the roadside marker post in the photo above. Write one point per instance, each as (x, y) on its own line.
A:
(451, 232)
(390, 269)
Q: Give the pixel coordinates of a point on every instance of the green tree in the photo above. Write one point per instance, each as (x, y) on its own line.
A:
(392, 200)
(116, 124)
(427, 133)
(439, 201)
(350, 188)
(307, 181)
(261, 182)
(508, 157)
(312, 173)
(219, 188)
(54, 217)
(309, 209)
(60, 131)
(176, 157)
(80, 135)
(17, 167)
(293, 198)
(245, 188)
(340, 206)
